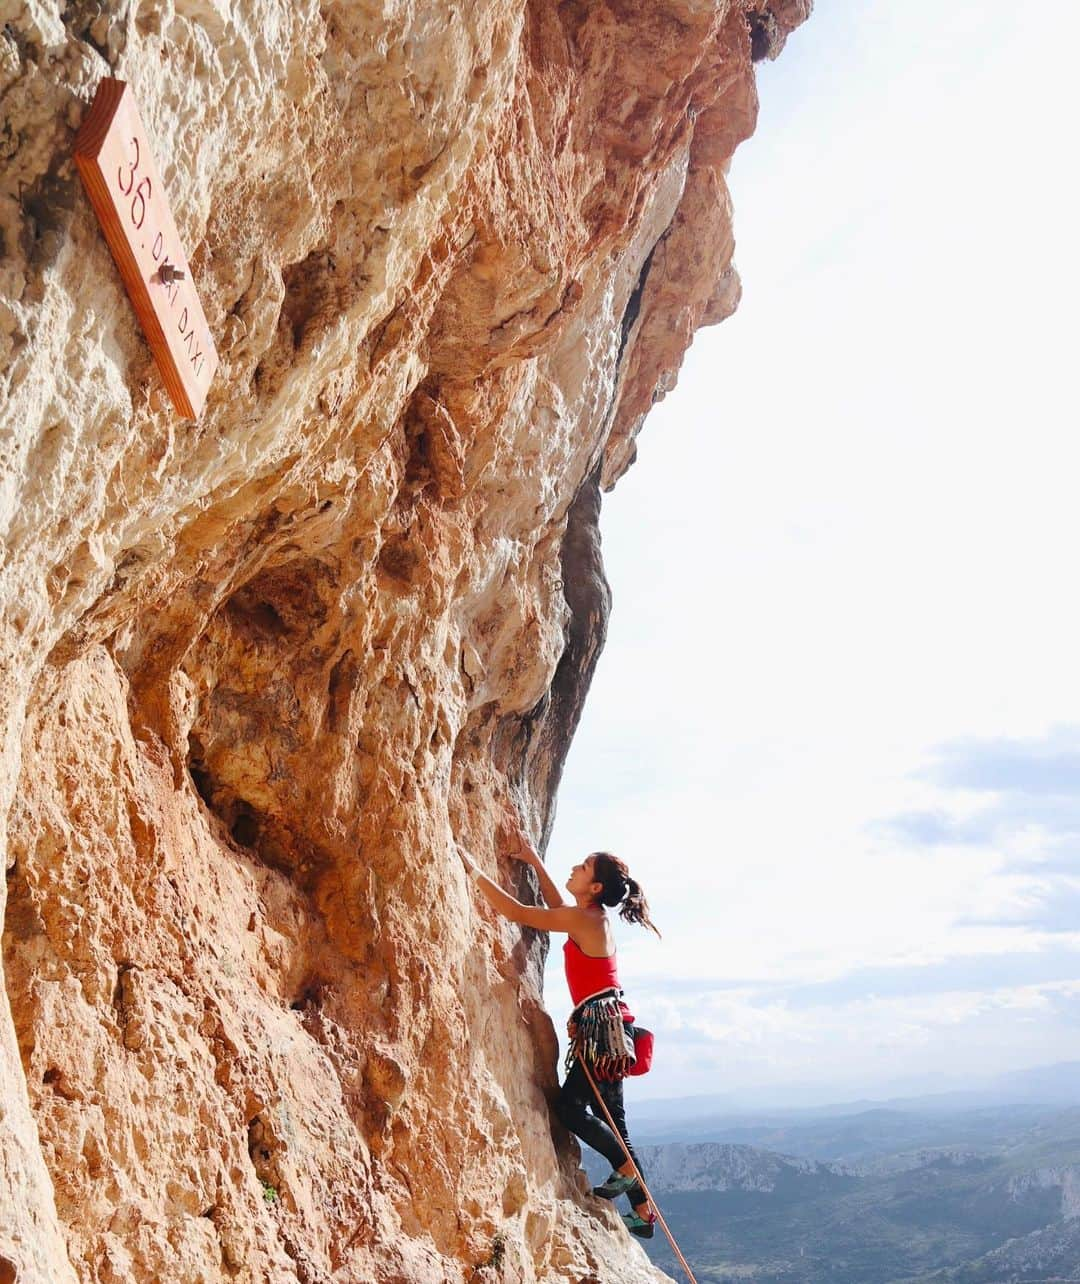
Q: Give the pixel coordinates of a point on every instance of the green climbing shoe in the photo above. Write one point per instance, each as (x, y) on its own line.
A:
(615, 1186)
(639, 1226)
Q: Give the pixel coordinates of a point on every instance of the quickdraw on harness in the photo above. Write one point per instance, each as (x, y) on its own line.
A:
(600, 1038)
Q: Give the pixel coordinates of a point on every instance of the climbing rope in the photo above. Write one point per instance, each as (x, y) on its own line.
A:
(637, 1174)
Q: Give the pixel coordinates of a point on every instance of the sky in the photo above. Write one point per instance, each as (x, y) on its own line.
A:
(835, 730)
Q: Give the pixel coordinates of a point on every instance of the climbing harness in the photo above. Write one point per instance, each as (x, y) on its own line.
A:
(637, 1174)
(600, 1036)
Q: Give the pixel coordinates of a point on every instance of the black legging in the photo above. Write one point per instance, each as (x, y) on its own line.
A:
(573, 1104)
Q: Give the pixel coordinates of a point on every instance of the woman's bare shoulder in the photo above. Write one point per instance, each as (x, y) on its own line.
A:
(590, 934)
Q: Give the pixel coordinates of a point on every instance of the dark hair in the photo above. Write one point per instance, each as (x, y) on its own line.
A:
(618, 888)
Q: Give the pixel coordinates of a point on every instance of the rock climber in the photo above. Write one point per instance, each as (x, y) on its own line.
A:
(601, 1027)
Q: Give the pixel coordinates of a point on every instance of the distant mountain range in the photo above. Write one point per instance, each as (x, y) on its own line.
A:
(711, 1166)
(1051, 1085)
(862, 1135)
(877, 1196)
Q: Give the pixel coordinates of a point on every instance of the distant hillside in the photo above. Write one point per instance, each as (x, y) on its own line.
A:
(1048, 1256)
(997, 1201)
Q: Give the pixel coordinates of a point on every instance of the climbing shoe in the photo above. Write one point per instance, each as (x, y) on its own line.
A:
(639, 1226)
(615, 1186)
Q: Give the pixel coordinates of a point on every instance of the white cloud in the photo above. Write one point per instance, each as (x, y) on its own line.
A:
(867, 1041)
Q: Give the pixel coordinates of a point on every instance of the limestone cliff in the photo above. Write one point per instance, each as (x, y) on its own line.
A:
(257, 669)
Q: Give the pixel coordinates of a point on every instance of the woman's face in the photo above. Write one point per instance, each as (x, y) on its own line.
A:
(581, 880)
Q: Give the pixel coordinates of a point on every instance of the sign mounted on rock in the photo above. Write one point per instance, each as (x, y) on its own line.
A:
(113, 156)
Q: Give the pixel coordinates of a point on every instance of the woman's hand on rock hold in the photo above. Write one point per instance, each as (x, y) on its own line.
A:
(525, 853)
(516, 845)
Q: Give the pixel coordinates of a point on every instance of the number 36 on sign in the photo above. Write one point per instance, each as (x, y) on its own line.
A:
(114, 159)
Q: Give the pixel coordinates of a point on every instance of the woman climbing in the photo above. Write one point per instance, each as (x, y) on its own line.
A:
(601, 1025)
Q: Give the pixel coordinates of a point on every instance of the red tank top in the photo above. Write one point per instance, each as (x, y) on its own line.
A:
(586, 975)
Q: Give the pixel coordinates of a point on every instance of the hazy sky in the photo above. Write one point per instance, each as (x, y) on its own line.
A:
(836, 728)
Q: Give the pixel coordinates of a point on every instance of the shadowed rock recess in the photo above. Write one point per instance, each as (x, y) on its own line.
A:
(257, 670)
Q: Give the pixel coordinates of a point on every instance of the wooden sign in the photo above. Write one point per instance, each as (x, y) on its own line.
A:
(125, 189)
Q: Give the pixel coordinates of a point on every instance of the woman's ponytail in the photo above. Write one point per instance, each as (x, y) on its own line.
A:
(621, 890)
(635, 909)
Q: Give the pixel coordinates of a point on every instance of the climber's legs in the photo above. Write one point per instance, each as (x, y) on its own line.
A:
(573, 1106)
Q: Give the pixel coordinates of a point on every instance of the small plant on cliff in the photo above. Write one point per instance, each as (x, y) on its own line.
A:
(490, 1269)
(498, 1250)
(269, 1193)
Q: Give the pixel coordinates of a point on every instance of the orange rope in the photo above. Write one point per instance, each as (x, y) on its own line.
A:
(637, 1173)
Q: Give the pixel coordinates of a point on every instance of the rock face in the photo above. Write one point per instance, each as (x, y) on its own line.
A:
(259, 669)
(1065, 1177)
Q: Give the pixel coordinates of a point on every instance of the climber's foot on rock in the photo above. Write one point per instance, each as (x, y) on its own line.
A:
(642, 1227)
(617, 1184)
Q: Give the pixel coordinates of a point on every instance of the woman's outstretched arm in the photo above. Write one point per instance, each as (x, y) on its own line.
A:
(526, 853)
(562, 919)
